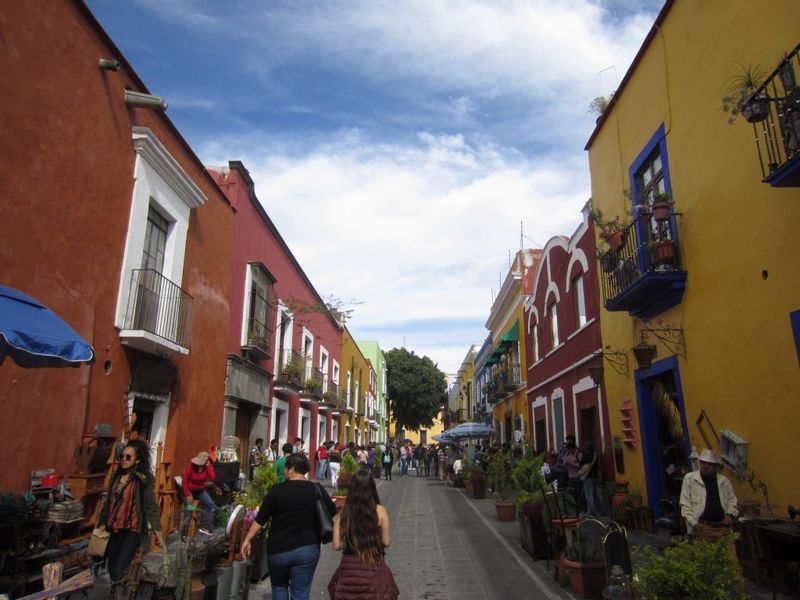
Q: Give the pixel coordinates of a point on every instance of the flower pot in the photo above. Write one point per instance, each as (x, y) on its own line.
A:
(665, 252)
(506, 511)
(339, 501)
(756, 108)
(586, 579)
(533, 535)
(615, 239)
(661, 211)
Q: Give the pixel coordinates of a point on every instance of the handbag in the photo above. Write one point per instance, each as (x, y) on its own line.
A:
(324, 519)
(98, 542)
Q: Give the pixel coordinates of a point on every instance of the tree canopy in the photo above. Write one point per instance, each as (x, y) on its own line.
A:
(416, 387)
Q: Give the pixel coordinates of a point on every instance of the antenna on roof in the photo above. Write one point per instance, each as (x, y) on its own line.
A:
(520, 234)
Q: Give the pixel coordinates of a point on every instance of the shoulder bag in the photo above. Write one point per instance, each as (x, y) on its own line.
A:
(98, 542)
(583, 472)
(324, 519)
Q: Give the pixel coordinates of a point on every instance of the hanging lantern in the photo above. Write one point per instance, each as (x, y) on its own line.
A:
(644, 354)
(596, 372)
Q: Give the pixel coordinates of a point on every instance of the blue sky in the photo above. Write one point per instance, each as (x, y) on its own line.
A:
(397, 145)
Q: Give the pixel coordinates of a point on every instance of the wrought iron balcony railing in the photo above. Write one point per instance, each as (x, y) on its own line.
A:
(644, 276)
(291, 369)
(774, 111)
(312, 381)
(158, 306)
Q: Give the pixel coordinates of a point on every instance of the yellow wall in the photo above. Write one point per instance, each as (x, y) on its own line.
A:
(517, 404)
(414, 436)
(353, 361)
(741, 366)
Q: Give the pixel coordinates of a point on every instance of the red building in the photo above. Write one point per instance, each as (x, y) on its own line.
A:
(283, 344)
(562, 339)
(110, 219)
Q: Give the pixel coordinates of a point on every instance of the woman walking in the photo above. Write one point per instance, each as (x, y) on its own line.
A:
(362, 531)
(130, 509)
(293, 542)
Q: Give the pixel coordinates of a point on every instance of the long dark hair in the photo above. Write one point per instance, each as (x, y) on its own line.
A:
(143, 467)
(360, 519)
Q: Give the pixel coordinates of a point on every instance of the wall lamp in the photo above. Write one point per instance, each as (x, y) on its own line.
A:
(644, 354)
(109, 64)
(139, 100)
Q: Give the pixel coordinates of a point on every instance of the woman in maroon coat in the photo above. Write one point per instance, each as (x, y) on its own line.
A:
(362, 531)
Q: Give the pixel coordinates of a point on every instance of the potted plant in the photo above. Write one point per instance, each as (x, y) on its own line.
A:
(264, 477)
(662, 251)
(478, 483)
(661, 206)
(528, 480)
(585, 561)
(329, 397)
(346, 474)
(312, 385)
(467, 468)
(612, 231)
(740, 97)
(686, 570)
(500, 478)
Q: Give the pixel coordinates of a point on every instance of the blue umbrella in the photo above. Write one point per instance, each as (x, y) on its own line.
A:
(444, 438)
(470, 430)
(34, 336)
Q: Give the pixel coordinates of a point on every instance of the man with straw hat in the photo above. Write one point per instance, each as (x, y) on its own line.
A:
(708, 503)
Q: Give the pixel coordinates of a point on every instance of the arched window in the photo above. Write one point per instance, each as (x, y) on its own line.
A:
(580, 300)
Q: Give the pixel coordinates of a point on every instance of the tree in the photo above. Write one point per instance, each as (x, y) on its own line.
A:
(417, 389)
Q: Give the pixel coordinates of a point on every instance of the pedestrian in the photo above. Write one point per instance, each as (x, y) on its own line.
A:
(298, 445)
(362, 456)
(129, 510)
(387, 459)
(293, 544)
(334, 464)
(362, 532)
(271, 455)
(280, 464)
(441, 461)
(708, 504)
(198, 477)
(322, 462)
(592, 489)
(572, 461)
(256, 456)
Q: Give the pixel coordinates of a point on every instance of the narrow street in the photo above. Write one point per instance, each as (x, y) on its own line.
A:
(446, 546)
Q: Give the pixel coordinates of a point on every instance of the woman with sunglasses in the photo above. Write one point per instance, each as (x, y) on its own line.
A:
(293, 543)
(129, 509)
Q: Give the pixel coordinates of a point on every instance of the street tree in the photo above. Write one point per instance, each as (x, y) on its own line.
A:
(417, 389)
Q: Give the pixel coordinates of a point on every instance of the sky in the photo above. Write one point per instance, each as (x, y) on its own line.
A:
(405, 149)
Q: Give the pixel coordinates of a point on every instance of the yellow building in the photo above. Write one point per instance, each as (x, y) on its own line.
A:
(501, 373)
(354, 402)
(423, 436)
(461, 398)
(707, 294)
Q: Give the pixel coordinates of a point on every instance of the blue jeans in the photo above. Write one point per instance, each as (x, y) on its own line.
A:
(322, 470)
(209, 510)
(403, 467)
(595, 501)
(292, 572)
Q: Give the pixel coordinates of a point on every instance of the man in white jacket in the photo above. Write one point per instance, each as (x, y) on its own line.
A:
(708, 503)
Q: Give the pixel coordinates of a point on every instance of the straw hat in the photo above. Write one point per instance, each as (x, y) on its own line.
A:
(201, 459)
(709, 456)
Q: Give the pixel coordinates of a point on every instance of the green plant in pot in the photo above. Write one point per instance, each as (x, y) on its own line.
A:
(685, 570)
(499, 477)
(585, 559)
(740, 96)
(611, 231)
(346, 474)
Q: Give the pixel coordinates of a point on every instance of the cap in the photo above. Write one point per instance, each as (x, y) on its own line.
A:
(201, 459)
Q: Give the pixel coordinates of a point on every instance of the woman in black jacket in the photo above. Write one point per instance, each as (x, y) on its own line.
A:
(293, 543)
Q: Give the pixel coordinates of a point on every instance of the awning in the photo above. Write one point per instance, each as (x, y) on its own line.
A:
(510, 336)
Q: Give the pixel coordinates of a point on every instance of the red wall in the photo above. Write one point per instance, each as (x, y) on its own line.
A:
(67, 179)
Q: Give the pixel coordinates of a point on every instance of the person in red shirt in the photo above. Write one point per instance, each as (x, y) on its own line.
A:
(197, 477)
(322, 462)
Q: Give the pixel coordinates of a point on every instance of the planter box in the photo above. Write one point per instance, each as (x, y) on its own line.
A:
(505, 511)
(258, 558)
(478, 487)
(533, 537)
(586, 579)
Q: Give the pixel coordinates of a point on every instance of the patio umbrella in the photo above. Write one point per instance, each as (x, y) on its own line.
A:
(467, 431)
(34, 336)
(444, 438)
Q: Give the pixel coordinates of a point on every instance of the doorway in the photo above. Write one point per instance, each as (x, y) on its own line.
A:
(540, 433)
(588, 425)
(245, 417)
(665, 438)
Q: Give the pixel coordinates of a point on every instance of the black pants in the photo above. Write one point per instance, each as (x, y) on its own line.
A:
(122, 547)
(387, 471)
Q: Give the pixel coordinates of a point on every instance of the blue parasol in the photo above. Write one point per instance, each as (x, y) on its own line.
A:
(466, 431)
(34, 336)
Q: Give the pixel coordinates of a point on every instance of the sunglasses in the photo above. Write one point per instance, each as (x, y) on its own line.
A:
(128, 456)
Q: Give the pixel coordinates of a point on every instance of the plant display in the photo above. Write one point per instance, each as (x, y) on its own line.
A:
(346, 473)
(739, 89)
(586, 549)
(700, 570)
(264, 477)
(312, 384)
(611, 230)
(330, 397)
(527, 478)
(499, 476)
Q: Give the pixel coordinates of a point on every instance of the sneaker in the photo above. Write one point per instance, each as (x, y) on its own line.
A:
(204, 531)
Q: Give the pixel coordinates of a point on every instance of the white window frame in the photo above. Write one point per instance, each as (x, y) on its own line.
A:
(160, 181)
(324, 363)
(249, 276)
(287, 335)
(580, 300)
(552, 314)
(558, 436)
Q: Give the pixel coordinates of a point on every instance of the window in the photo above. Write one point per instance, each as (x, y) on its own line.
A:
(323, 366)
(580, 300)
(650, 182)
(551, 311)
(259, 304)
(155, 241)
(535, 340)
(558, 421)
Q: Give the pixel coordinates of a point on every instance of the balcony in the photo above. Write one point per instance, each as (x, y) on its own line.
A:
(774, 111)
(312, 384)
(506, 382)
(157, 314)
(257, 345)
(644, 277)
(290, 370)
